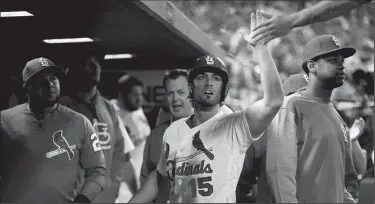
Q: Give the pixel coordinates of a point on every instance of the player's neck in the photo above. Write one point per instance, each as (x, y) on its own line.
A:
(317, 91)
(88, 95)
(38, 109)
(202, 115)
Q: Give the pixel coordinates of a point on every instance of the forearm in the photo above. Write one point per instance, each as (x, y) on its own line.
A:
(148, 191)
(271, 83)
(91, 189)
(322, 11)
(95, 181)
(359, 157)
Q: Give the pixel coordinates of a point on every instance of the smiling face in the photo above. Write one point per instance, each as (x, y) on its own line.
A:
(177, 93)
(206, 89)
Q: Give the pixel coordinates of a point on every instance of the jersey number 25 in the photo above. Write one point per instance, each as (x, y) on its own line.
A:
(204, 186)
(95, 142)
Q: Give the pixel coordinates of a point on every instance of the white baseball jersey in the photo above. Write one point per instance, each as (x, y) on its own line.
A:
(198, 176)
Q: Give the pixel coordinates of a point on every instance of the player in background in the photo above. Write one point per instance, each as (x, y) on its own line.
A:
(44, 145)
(129, 107)
(85, 98)
(317, 145)
(280, 25)
(204, 153)
(177, 95)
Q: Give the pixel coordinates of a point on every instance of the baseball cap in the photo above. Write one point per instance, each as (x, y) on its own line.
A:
(36, 65)
(324, 45)
(293, 83)
(209, 63)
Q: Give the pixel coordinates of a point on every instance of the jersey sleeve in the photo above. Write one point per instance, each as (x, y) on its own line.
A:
(92, 162)
(236, 130)
(281, 156)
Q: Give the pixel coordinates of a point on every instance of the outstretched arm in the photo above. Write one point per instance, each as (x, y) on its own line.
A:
(280, 25)
(260, 114)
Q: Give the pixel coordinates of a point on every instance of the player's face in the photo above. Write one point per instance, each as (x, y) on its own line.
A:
(177, 93)
(135, 97)
(45, 87)
(89, 75)
(330, 71)
(207, 89)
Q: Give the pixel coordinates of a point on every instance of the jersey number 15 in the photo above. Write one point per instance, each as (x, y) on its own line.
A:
(204, 186)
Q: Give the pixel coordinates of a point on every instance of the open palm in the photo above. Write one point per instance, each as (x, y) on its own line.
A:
(256, 19)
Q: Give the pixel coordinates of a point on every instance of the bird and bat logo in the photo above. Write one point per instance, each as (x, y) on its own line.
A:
(62, 146)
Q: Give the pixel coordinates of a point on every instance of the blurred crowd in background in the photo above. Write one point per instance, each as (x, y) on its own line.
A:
(224, 21)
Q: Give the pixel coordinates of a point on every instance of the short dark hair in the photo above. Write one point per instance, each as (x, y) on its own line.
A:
(174, 74)
(126, 83)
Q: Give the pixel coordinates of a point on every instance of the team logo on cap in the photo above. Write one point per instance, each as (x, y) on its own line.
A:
(337, 42)
(43, 62)
(210, 60)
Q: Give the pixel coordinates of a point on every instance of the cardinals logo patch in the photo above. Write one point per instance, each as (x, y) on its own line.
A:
(210, 60)
(43, 62)
(337, 42)
(62, 146)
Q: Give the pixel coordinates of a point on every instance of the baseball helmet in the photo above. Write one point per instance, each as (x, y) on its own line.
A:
(212, 64)
(324, 45)
(37, 65)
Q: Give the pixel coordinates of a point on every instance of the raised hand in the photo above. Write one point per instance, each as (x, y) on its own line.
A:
(256, 19)
(271, 28)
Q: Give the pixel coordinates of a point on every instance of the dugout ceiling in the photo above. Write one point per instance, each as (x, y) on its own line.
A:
(155, 31)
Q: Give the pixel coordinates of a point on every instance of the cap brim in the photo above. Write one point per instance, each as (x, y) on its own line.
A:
(344, 51)
(58, 70)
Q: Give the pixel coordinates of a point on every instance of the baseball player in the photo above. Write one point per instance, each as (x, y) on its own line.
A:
(44, 145)
(309, 165)
(129, 106)
(204, 153)
(179, 106)
(86, 99)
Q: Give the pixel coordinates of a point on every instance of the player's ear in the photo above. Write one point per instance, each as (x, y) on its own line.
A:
(227, 87)
(311, 66)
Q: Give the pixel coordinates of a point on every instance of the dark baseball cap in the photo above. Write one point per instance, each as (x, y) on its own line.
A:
(293, 83)
(209, 63)
(324, 45)
(37, 65)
